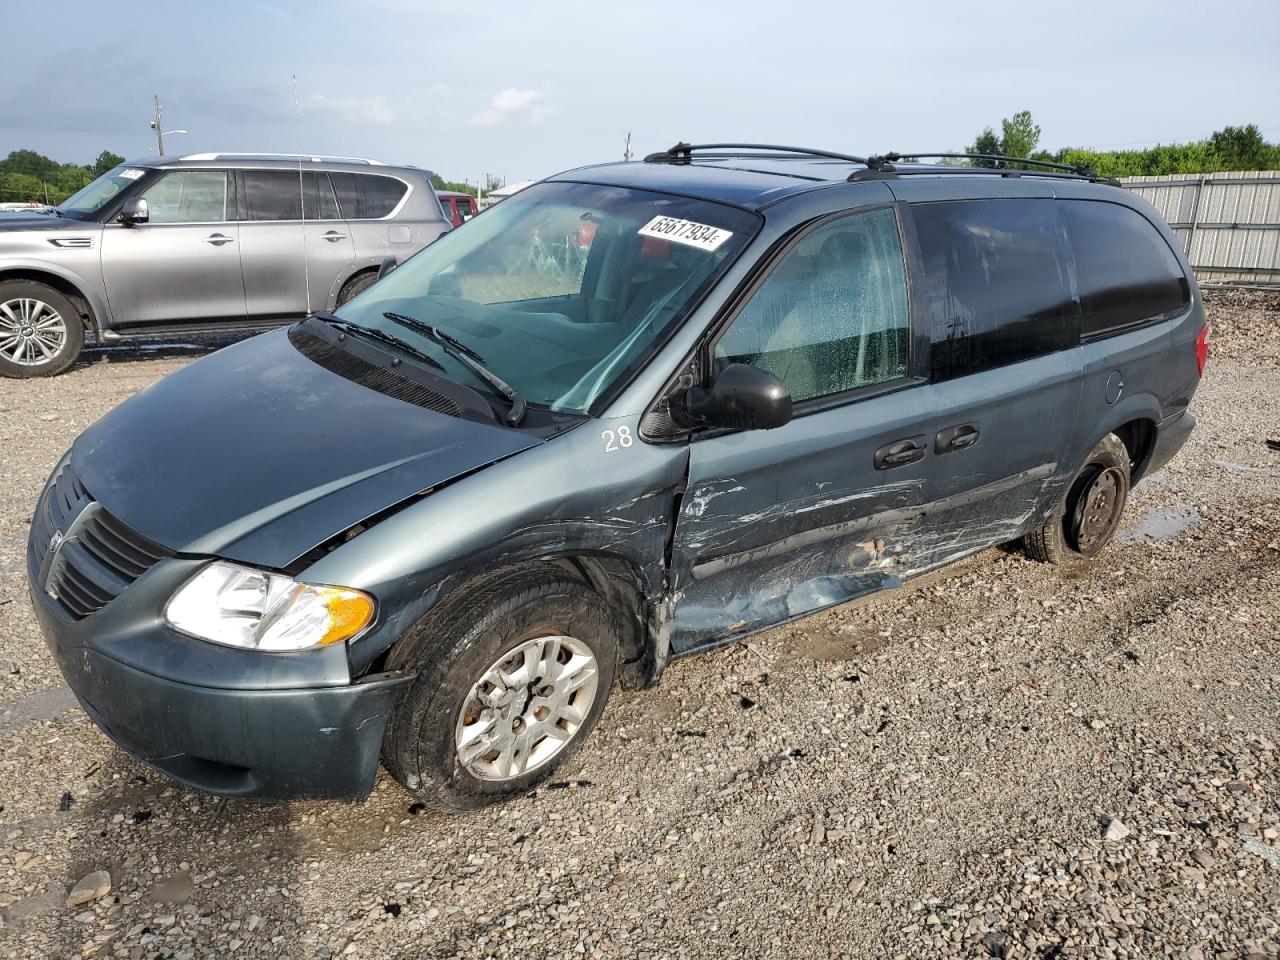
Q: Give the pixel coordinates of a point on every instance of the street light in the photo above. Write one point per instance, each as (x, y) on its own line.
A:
(154, 124)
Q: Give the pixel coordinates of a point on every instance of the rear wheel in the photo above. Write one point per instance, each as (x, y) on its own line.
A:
(40, 330)
(356, 286)
(512, 677)
(1088, 515)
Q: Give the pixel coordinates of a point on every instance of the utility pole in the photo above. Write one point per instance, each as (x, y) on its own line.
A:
(155, 125)
(626, 148)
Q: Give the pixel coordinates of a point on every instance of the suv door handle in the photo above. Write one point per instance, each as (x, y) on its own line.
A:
(900, 453)
(956, 438)
(333, 236)
(218, 239)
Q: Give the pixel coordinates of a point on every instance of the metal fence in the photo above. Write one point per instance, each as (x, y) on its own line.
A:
(1229, 223)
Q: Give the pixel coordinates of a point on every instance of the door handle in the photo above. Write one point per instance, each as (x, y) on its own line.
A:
(956, 438)
(900, 453)
(333, 236)
(218, 239)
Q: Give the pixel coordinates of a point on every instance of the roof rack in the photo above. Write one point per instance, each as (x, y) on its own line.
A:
(683, 152)
(881, 165)
(281, 156)
(884, 161)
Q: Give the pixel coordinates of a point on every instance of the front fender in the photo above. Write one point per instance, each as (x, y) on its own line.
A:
(90, 289)
(565, 498)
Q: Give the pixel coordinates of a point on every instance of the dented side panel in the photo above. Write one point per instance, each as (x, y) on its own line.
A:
(779, 523)
(1027, 419)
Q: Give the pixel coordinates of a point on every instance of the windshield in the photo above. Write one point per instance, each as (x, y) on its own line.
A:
(92, 198)
(561, 290)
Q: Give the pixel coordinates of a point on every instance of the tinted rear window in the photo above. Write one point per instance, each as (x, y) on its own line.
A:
(997, 282)
(1125, 271)
(366, 196)
(279, 194)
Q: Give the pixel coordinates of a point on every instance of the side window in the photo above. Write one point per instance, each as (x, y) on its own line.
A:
(366, 196)
(832, 316)
(188, 196)
(997, 282)
(1125, 271)
(280, 195)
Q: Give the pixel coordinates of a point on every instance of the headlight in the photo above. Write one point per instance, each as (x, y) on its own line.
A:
(242, 607)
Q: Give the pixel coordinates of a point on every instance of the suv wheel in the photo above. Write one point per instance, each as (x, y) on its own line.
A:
(40, 330)
(512, 677)
(1087, 517)
(356, 286)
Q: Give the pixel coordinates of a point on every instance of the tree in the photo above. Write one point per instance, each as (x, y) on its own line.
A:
(106, 161)
(1241, 148)
(1021, 135)
(987, 142)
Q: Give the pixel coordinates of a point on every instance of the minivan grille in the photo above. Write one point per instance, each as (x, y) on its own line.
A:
(370, 375)
(97, 555)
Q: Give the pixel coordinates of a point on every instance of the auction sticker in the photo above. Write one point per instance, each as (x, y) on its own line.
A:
(130, 174)
(687, 232)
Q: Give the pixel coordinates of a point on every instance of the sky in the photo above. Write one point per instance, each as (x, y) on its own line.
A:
(522, 90)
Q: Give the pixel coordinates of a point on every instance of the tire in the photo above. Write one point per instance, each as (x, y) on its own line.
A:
(41, 333)
(1088, 515)
(355, 286)
(458, 649)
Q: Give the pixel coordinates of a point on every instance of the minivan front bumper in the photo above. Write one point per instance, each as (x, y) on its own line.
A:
(219, 721)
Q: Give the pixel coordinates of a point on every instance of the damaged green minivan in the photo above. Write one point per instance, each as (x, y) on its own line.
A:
(634, 412)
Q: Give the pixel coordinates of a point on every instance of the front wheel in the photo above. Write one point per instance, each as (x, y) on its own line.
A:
(40, 330)
(1088, 515)
(512, 677)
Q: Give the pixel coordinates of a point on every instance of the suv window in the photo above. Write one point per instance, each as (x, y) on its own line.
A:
(188, 196)
(279, 195)
(997, 281)
(1125, 271)
(832, 315)
(364, 196)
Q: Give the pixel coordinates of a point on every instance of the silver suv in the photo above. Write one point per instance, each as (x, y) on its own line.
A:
(207, 242)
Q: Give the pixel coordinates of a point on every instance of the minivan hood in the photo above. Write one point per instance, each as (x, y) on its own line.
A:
(255, 453)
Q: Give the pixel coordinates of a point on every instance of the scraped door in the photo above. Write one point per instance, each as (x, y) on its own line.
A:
(778, 523)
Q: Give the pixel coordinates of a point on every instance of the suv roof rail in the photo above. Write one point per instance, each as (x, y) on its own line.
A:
(683, 152)
(884, 161)
(314, 158)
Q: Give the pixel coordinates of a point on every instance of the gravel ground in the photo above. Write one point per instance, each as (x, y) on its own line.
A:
(1002, 759)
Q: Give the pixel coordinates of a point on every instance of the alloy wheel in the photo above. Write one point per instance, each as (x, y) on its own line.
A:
(31, 331)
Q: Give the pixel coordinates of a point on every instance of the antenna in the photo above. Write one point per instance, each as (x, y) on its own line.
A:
(626, 148)
(302, 201)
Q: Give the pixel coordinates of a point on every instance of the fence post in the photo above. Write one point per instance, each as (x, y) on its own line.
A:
(1195, 218)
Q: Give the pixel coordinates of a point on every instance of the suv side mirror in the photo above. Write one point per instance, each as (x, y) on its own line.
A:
(386, 266)
(742, 398)
(134, 211)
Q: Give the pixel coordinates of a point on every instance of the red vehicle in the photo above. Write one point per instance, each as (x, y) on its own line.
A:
(458, 207)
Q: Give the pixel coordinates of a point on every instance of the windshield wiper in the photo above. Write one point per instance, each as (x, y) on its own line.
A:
(472, 359)
(346, 326)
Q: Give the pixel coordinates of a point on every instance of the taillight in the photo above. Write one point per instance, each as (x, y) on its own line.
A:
(1202, 349)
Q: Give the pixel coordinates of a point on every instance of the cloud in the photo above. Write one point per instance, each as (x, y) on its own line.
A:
(351, 109)
(511, 102)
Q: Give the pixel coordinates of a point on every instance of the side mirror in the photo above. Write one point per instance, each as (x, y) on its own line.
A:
(386, 266)
(134, 211)
(742, 398)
